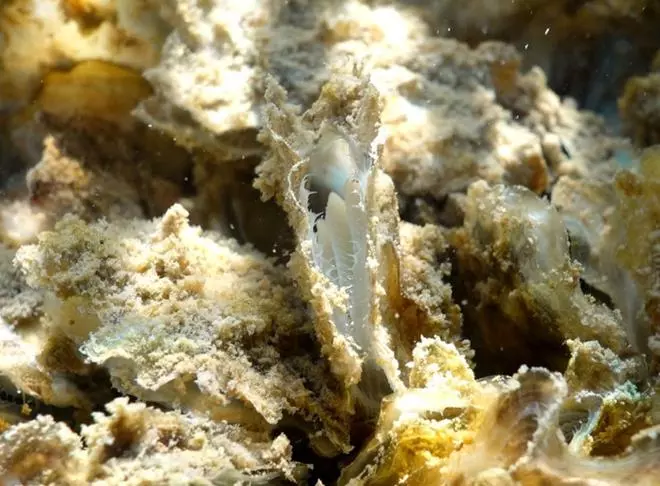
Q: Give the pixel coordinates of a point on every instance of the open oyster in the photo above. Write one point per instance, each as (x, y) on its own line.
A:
(323, 169)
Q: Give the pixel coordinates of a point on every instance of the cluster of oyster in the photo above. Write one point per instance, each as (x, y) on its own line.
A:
(286, 242)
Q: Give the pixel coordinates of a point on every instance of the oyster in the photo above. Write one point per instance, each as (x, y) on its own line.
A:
(521, 288)
(185, 319)
(133, 444)
(635, 244)
(351, 362)
(324, 171)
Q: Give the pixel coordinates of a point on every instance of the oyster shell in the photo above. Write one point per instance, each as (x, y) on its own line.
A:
(342, 207)
(186, 319)
(521, 288)
(324, 171)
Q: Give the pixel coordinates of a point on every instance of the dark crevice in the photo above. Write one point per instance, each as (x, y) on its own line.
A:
(599, 295)
(502, 343)
(322, 468)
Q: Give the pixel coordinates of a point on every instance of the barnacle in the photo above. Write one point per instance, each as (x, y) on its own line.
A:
(524, 429)
(26, 374)
(587, 206)
(339, 243)
(420, 427)
(639, 109)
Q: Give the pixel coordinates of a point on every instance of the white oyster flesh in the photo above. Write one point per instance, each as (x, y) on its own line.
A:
(334, 194)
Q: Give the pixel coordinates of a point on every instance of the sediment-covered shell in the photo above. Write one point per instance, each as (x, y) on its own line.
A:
(180, 317)
(521, 287)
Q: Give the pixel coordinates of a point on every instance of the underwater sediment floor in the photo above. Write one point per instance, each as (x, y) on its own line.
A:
(329, 242)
